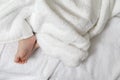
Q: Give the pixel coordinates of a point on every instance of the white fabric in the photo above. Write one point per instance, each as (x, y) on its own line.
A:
(39, 66)
(103, 62)
(63, 28)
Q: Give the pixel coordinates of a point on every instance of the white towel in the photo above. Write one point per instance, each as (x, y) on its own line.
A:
(63, 28)
(102, 64)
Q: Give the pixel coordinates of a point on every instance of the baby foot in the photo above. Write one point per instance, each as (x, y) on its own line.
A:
(26, 48)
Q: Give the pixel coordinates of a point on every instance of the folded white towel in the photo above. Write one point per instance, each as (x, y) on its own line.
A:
(63, 28)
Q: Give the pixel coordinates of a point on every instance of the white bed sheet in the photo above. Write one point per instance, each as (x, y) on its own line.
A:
(103, 62)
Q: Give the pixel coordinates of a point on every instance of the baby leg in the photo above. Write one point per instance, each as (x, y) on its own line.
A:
(26, 48)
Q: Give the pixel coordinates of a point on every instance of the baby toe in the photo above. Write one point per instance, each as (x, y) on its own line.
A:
(16, 59)
(23, 61)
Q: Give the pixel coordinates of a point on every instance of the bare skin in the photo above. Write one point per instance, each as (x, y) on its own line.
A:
(26, 48)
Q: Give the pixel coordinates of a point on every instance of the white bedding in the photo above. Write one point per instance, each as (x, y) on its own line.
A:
(63, 28)
(103, 62)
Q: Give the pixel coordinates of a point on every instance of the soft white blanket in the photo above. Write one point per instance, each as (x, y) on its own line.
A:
(63, 27)
(102, 64)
